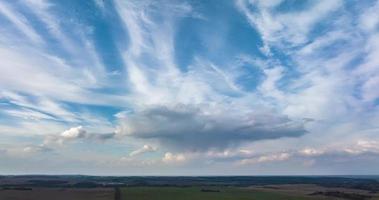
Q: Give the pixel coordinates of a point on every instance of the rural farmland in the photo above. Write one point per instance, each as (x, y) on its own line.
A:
(187, 188)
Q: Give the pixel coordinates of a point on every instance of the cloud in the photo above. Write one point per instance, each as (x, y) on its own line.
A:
(74, 134)
(281, 28)
(321, 72)
(27, 114)
(229, 155)
(369, 20)
(100, 4)
(20, 21)
(266, 158)
(173, 158)
(307, 158)
(346, 152)
(37, 149)
(310, 152)
(52, 71)
(363, 146)
(145, 149)
(192, 110)
(190, 128)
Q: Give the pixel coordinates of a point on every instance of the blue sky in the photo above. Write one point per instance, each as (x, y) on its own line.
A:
(244, 87)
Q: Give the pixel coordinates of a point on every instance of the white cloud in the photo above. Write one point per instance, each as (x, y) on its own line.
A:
(173, 158)
(363, 146)
(369, 20)
(291, 28)
(266, 158)
(20, 21)
(37, 149)
(27, 114)
(145, 149)
(100, 4)
(310, 152)
(74, 133)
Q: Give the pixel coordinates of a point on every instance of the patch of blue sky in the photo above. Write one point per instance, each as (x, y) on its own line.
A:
(251, 76)
(190, 43)
(106, 112)
(111, 148)
(356, 61)
(355, 9)
(376, 102)
(105, 29)
(221, 35)
(290, 73)
(4, 117)
(293, 5)
(105, 44)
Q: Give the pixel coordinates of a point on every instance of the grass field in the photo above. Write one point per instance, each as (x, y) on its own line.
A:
(196, 193)
(267, 192)
(58, 194)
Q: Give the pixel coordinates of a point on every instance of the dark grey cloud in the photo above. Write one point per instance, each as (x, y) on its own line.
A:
(197, 129)
(101, 136)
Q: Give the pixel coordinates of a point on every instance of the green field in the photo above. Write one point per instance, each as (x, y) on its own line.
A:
(196, 193)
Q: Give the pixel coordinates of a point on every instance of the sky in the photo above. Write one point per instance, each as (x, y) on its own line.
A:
(189, 87)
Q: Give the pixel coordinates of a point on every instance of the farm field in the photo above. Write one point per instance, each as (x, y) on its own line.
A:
(187, 188)
(58, 194)
(266, 192)
(319, 192)
(217, 193)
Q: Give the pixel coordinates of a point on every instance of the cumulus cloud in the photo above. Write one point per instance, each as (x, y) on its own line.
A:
(361, 149)
(229, 155)
(75, 134)
(191, 128)
(173, 158)
(363, 146)
(267, 158)
(310, 152)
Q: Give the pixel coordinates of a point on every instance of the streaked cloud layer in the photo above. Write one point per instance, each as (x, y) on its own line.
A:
(194, 87)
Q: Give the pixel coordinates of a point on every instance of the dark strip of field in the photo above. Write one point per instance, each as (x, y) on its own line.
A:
(58, 194)
(117, 193)
(277, 192)
(364, 183)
